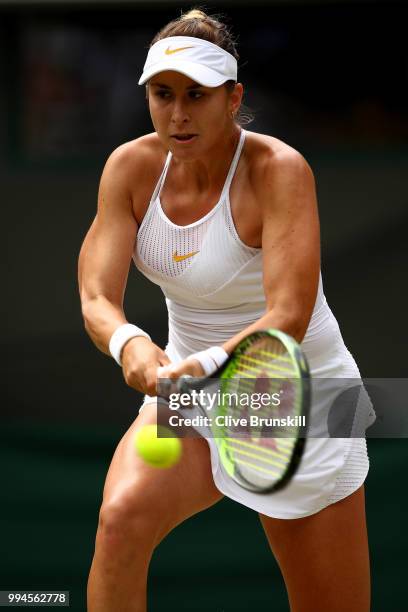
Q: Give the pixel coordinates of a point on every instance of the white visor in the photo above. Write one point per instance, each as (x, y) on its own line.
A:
(202, 61)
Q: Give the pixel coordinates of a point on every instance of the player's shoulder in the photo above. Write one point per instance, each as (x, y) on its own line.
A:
(137, 159)
(272, 160)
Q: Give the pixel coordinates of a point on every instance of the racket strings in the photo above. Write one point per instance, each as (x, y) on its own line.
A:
(264, 367)
(259, 462)
(264, 361)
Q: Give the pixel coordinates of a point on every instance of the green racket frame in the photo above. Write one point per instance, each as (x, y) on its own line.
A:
(301, 373)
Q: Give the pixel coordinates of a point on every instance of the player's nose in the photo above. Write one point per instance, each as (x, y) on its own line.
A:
(179, 113)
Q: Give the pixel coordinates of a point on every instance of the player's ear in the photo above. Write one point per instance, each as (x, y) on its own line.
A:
(236, 95)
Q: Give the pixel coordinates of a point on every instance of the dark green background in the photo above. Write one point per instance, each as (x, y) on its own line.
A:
(329, 78)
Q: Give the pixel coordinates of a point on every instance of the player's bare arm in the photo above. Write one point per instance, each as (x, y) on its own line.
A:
(290, 238)
(104, 263)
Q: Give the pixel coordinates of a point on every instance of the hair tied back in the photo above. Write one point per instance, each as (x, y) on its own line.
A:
(194, 14)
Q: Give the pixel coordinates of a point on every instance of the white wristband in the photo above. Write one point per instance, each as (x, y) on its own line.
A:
(210, 359)
(119, 338)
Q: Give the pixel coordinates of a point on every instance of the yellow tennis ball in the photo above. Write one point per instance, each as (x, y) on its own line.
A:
(161, 452)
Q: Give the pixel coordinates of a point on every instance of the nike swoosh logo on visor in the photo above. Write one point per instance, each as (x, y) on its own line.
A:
(183, 257)
(169, 51)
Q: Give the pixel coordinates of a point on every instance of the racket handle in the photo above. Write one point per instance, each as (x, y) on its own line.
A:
(183, 383)
(164, 388)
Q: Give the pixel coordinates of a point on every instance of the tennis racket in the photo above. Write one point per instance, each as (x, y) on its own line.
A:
(260, 448)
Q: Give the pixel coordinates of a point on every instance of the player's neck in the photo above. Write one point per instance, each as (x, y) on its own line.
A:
(209, 170)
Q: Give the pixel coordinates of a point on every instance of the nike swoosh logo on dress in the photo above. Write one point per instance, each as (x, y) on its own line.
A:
(183, 257)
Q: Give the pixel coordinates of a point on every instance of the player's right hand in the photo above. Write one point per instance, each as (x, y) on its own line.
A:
(140, 360)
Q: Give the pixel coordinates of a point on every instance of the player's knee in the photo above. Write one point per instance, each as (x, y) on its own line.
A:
(125, 517)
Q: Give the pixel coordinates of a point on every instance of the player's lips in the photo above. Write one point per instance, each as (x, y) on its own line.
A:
(184, 138)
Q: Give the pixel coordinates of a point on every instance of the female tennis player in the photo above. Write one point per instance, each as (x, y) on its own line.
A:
(225, 221)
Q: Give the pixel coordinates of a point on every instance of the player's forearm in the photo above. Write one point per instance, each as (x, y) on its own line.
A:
(293, 324)
(101, 319)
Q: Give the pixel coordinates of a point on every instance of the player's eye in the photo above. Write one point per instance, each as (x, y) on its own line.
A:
(163, 94)
(195, 95)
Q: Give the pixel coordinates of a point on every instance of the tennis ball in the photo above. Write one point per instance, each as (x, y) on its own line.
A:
(161, 452)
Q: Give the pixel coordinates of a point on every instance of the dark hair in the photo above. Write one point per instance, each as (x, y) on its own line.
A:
(198, 24)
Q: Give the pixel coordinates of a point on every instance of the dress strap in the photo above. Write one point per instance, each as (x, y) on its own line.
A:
(234, 164)
(160, 182)
(153, 200)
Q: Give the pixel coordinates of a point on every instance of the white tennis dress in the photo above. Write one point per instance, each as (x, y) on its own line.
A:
(213, 287)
